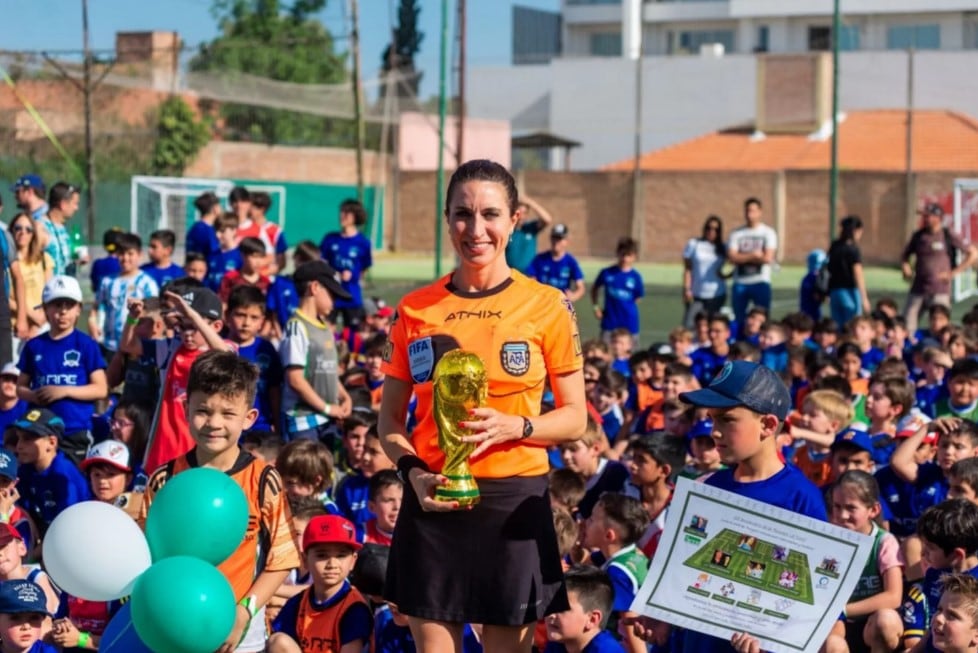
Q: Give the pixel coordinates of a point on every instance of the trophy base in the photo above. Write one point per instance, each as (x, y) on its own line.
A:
(459, 488)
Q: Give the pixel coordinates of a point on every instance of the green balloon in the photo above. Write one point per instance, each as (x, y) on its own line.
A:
(183, 605)
(201, 513)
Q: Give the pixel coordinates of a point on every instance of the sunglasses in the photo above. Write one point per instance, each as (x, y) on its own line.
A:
(22, 228)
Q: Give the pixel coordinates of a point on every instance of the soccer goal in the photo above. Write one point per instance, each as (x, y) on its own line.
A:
(168, 202)
(966, 224)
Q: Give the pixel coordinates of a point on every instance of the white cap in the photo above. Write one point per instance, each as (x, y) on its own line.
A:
(10, 369)
(61, 286)
(111, 452)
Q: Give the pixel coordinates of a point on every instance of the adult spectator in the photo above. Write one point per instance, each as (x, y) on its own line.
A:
(349, 252)
(704, 287)
(62, 205)
(751, 249)
(557, 267)
(29, 192)
(929, 264)
(522, 245)
(11, 287)
(527, 334)
(847, 283)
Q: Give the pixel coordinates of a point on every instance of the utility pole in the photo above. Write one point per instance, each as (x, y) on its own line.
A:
(834, 172)
(442, 106)
(911, 191)
(461, 83)
(360, 132)
(89, 149)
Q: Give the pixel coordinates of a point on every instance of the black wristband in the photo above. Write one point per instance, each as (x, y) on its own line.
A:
(408, 462)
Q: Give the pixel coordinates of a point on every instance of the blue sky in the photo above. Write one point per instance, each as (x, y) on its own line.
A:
(56, 25)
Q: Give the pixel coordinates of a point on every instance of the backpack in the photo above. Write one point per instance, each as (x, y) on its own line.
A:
(822, 278)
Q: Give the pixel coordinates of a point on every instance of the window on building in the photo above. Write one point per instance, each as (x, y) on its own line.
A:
(849, 37)
(606, 44)
(689, 42)
(763, 39)
(919, 37)
(819, 38)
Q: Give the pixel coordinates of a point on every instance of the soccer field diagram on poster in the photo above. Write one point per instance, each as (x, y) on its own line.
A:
(729, 564)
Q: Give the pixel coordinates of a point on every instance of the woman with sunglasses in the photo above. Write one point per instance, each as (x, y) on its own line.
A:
(36, 267)
(704, 286)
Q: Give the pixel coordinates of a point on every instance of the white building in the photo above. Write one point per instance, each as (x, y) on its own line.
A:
(588, 92)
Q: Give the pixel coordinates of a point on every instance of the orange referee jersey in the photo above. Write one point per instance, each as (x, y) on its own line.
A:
(522, 330)
(270, 542)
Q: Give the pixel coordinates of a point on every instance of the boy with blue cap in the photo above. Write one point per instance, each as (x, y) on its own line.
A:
(23, 614)
(748, 404)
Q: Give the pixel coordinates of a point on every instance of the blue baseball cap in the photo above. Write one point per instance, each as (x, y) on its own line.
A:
(855, 437)
(8, 463)
(22, 596)
(28, 181)
(41, 422)
(702, 428)
(742, 383)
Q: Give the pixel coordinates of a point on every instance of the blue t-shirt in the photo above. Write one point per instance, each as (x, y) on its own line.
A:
(788, 489)
(808, 297)
(220, 264)
(263, 354)
(603, 642)
(41, 647)
(163, 276)
(44, 494)
(351, 498)
(282, 299)
(612, 478)
(562, 273)
(775, 357)
(928, 396)
(107, 266)
(621, 290)
(113, 299)
(356, 623)
(522, 245)
(202, 238)
(872, 358)
(351, 253)
(11, 415)
(884, 445)
(389, 637)
(68, 361)
(908, 501)
(706, 363)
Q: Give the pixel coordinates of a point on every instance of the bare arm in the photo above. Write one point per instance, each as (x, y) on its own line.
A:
(902, 461)
(262, 589)
(820, 439)
(537, 208)
(576, 291)
(211, 337)
(116, 372)
(295, 377)
(889, 598)
(17, 279)
(96, 388)
(970, 258)
(860, 278)
(687, 280)
(24, 388)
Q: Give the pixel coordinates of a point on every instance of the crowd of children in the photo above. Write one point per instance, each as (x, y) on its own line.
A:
(275, 379)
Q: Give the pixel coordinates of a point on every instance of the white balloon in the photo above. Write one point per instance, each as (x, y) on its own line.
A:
(95, 551)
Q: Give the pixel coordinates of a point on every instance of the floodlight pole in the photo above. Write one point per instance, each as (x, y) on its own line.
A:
(359, 132)
(834, 173)
(442, 110)
(89, 148)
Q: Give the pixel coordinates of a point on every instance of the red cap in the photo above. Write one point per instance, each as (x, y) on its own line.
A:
(8, 533)
(330, 529)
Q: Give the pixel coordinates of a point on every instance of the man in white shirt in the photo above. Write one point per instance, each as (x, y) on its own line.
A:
(751, 248)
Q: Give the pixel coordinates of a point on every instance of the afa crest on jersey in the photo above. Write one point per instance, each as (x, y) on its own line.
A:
(515, 358)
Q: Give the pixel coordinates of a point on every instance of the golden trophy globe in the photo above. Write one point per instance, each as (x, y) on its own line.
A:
(460, 384)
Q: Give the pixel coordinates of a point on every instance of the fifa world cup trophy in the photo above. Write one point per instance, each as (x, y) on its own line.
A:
(460, 384)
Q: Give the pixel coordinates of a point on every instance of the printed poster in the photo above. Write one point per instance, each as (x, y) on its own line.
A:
(729, 564)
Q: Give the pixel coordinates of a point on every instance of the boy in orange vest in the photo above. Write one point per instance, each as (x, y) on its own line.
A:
(331, 616)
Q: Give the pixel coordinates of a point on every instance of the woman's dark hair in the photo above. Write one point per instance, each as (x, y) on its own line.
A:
(484, 170)
(141, 415)
(719, 245)
(849, 225)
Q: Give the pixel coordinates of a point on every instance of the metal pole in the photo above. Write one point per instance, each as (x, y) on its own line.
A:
(461, 82)
(360, 133)
(834, 174)
(442, 109)
(911, 199)
(89, 148)
(638, 216)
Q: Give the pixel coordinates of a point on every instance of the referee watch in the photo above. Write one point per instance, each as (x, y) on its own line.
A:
(527, 428)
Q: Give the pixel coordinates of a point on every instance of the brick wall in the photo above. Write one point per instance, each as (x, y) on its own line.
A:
(597, 208)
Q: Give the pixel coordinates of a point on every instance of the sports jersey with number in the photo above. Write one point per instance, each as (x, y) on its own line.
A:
(348, 253)
(270, 541)
(523, 331)
(68, 361)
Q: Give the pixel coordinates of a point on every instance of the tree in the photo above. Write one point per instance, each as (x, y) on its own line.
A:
(266, 38)
(180, 135)
(399, 55)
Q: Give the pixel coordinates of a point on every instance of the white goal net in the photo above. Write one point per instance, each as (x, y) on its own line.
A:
(966, 224)
(168, 202)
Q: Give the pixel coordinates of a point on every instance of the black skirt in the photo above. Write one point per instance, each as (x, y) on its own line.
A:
(496, 564)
